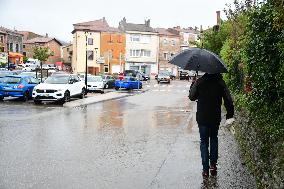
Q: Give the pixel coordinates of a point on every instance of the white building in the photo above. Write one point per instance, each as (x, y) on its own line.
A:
(142, 47)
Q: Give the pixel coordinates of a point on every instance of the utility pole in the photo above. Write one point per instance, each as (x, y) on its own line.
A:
(86, 70)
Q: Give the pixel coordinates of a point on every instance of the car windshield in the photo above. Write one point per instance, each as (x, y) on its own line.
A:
(12, 80)
(95, 79)
(57, 80)
(163, 74)
(128, 78)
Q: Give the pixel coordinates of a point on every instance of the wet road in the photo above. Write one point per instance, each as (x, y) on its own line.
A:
(148, 140)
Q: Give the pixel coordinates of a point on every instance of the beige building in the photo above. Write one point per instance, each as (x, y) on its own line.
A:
(169, 45)
(86, 41)
(142, 46)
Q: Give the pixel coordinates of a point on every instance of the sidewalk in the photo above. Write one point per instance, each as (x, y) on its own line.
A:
(92, 98)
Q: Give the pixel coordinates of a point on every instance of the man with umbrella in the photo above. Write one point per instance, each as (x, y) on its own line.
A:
(209, 90)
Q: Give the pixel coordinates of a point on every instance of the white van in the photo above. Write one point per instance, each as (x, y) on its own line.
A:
(33, 61)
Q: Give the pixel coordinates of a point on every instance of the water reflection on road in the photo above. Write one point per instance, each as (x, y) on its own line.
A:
(143, 141)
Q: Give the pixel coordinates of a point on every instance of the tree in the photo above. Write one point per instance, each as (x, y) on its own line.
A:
(42, 54)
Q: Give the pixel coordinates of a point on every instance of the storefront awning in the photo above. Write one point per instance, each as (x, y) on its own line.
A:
(12, 55)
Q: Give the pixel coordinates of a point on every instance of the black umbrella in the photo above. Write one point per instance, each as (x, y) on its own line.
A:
(199, 60)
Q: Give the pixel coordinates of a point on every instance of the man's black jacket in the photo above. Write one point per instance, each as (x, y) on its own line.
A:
(209, 91)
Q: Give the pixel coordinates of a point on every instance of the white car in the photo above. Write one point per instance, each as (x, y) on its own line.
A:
(30, 67)
(95, 83)
(59, 88)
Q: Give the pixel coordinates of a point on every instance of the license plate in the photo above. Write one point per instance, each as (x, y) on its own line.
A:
(7, 87)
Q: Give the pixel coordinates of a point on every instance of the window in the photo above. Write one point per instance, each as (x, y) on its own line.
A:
(119, 39)
(106, 68)
(135, 38)
(1, 39)
(173, 42)
(166, 56)
(165, 41)
(146, 53)
(24, 46)
(90, 41)
(67, 49)
(110, 38)
(17, 47)
(135, 52)
(11, 47)
(24, 53)
(90, 55)
(145, 38)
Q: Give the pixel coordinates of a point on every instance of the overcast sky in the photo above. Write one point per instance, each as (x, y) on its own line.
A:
(56, 17)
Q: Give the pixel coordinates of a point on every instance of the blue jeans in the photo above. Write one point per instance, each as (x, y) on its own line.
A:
(208, 132)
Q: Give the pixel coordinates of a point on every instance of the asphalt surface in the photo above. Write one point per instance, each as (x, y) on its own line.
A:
(146, 140)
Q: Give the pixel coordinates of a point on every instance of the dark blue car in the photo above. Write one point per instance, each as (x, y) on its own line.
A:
(128, 82)
(17, 86)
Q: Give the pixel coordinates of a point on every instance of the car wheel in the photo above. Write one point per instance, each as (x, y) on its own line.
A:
(102, 91)
(158, 82)
(1, 98)
(37, 101)
(66, 97)
(83, 93)
(26, 96)
(116, 88)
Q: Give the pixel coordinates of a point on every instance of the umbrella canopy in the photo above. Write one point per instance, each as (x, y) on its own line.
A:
(199, 60)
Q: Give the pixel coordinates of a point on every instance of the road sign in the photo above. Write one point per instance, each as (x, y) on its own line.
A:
(100, 60)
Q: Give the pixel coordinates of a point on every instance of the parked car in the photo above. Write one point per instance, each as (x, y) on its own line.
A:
(129, 83)
(109, 81)
(17, 86)
(132, 73)
(30, 67)
(164, 78)
(184, 75)
(59, 88)
(95, 83)
(166, 72)
(142, 76)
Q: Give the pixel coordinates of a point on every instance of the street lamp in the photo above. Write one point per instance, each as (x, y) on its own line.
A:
(86, 70)
(8, 65)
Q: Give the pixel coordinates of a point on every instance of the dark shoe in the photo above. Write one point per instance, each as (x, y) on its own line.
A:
(213, 169)
(205, 174)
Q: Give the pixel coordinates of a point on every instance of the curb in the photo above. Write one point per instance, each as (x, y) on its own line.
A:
(94, 99)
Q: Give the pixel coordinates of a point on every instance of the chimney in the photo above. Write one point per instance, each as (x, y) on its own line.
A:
(195, 28)
(46, 35)
(201, 29)
(218, 18)
(147, 23)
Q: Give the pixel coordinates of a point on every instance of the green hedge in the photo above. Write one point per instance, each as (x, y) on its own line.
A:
(253, 49)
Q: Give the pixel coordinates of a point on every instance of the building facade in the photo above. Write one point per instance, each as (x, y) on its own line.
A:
(113, 51)
(142, 44)
(86, 43)
(53, 44)
(12, 44)
(169, 45)
(67, 52)
(188, 36)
